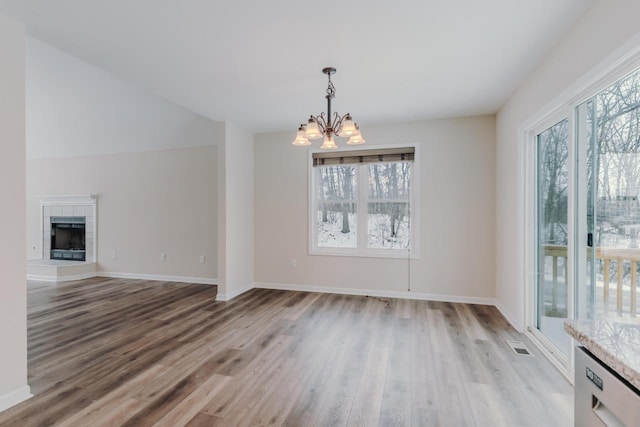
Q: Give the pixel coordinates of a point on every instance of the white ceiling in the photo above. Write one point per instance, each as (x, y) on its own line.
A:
(258, 63)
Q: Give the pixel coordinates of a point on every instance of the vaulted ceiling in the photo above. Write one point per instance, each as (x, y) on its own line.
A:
(258, 63)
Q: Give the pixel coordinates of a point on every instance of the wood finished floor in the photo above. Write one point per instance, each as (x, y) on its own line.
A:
(107, 352)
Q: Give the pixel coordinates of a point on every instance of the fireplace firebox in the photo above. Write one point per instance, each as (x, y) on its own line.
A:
(68, 238)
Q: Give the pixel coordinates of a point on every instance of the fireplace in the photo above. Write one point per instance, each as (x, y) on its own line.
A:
(68, 238)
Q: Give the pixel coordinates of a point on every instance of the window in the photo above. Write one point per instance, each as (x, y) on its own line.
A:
(363, 202)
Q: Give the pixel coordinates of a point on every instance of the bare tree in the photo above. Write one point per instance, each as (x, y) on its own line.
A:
(347, 172)
(553, 151)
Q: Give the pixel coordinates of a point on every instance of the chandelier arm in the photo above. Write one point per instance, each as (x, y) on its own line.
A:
(337, 122)
(322, 122)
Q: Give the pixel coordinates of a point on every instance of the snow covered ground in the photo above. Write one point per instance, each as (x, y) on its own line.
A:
(330, 233)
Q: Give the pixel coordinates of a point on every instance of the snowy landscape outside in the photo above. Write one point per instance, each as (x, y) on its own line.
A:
(385, 198)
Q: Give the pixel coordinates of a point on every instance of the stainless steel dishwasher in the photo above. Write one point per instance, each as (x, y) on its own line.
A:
(602, 398)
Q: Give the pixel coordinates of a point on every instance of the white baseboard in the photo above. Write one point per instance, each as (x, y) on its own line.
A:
(377, 293)
(234, 293)
(53, 279)
(159, 277)
(15, 397)
(505, 313)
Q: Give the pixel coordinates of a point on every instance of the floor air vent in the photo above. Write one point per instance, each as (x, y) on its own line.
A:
(519, 348)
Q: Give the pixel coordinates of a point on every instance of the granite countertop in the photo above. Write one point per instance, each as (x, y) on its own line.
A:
(616, 342)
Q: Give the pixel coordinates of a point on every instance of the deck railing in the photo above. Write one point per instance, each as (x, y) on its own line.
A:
(556, 252)
(619, 259)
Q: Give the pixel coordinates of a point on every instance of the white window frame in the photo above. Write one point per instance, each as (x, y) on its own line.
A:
(362, 250)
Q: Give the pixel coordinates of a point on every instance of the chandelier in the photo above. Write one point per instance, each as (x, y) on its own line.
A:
(329, 126)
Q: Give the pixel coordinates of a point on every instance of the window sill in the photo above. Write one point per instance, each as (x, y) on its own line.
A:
(363, 254)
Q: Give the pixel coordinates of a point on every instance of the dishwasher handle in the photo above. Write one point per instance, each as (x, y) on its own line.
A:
(604, 414)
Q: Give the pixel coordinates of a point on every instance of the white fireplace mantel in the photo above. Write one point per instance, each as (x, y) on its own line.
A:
(75, 199)
(69, 205)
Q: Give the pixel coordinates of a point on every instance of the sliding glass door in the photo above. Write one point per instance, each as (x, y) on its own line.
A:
(583, 214)
(552, 236)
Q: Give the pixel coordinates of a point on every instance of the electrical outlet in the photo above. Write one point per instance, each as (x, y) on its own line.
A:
(203, 259)
(292, 263)
(163, 256)
(114, 255)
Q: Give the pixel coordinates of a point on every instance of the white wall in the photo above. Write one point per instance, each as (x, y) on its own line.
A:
(153, 165)
(604, 28)
(457, 234)
(148, 202)
(76, 109)
(13, 304)
(236, 210)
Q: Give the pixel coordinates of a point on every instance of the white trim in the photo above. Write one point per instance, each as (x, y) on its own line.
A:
(59, 270)
(366, 253)
(377, 293)
(527, 215)
(158, 277)
(72, 199)
(54, 279)
(528, 255)
(13, 398)
(235, 293)
(572, 232)
(553, 355)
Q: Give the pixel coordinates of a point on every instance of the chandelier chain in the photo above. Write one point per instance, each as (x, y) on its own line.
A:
(331, 89)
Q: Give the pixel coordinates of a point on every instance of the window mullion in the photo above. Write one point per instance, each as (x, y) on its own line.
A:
(363, 192)
(315, 180)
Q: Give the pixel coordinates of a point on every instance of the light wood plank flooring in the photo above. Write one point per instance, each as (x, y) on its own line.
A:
(107, 352)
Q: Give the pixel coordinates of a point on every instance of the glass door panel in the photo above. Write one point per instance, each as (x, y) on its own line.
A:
(612, 119)
(552, 305)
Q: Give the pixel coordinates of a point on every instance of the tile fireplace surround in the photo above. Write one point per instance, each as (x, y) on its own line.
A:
(57, 270)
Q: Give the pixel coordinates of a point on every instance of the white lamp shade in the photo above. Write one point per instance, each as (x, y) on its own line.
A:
(348, 127)
(313, 130)
(356, 138)
(300, 139)
(328, 143)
